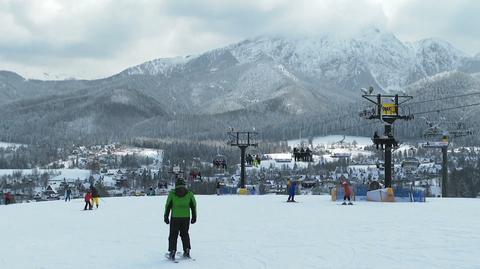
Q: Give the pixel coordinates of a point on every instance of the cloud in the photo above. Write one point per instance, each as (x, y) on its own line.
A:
(305, 17)
(455, 21)
(92, 39)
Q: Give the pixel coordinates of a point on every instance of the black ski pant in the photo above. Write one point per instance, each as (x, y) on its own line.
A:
(88, 204)
(179, 225)
(346, 197)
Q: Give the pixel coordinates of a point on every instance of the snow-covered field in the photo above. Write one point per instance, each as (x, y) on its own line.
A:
(60, 173)
(332, 139)
(155, 154)
(244, 232)
(9, 145)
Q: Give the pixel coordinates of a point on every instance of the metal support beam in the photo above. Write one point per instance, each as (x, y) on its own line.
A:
(388, 158)
(444, 172)
(387, 112)
(242, 166)
(243, 140)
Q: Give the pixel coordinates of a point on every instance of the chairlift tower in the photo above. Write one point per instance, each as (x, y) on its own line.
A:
(243, 140)
(444, 146)
(387, 111)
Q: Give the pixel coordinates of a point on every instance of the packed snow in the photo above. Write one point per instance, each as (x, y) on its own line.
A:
(243, 232)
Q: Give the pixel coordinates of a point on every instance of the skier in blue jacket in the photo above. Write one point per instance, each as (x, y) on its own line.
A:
(291, 191)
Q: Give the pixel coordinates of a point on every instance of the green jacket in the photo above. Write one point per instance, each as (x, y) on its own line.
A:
(180, 201)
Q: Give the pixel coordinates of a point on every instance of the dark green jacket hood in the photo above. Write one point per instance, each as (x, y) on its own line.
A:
(181, 191)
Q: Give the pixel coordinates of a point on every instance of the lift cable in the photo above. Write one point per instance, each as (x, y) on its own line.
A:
(443, 98)
(444, 109)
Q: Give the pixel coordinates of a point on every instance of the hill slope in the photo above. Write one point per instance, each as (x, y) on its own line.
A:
(262, 232)
(103, 114)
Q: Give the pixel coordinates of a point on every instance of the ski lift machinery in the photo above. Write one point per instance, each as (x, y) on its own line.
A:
(459, 130)
(387, 110)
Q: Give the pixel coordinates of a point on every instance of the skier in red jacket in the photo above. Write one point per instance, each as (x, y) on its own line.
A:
(347, 191)
(88, 201)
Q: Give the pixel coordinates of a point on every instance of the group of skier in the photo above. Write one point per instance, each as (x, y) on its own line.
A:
(8, 198)
(92, 198)
(220, 163)
(181, 211)
(303, 155)
(253, 160)
(292, 188)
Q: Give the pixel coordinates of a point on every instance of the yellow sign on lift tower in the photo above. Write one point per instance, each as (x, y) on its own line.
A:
(389, 110)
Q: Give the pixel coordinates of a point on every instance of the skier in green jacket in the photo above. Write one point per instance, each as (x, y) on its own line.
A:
(180, 201)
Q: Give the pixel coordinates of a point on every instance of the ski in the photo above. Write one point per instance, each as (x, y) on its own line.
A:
(178, 257)
(167, 256)
(181, 257)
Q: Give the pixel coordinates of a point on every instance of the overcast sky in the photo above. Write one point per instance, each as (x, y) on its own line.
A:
(95, 38)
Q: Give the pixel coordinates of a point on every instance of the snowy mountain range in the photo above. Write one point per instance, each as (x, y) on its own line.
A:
(279, 77)
(301, 72)
(371, 55)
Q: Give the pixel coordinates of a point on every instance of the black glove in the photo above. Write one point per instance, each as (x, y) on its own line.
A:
(167, 221)
(194, 219)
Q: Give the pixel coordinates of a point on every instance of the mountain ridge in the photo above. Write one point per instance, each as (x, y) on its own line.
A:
(281, 79)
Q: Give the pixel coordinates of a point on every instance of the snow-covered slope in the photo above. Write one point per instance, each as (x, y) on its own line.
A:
(244, 232)
(372, 56)
(436, 55)
(163, 66)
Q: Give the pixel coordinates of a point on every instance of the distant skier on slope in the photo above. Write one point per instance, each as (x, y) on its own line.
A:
(95, 196)
(68, 194)
(180, 201)
(88, 201)
(219, 186)
(9, 199)
(291, 187)
(347, 191)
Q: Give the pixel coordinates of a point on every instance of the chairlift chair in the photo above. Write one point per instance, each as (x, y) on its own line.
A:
(302, 154)
(220, 162)
(253, 159)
